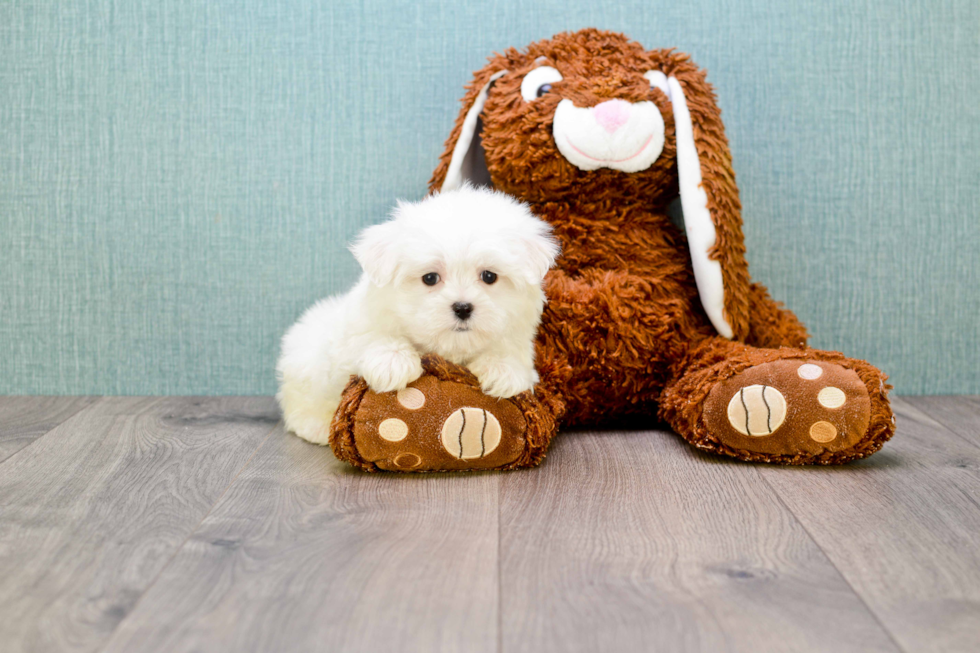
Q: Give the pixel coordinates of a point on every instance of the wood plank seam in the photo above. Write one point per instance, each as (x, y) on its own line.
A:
(940, 422)
(644, 543)
(830, 560)
(190, 535)
(54, 426)
(500, 573)
(306, 553)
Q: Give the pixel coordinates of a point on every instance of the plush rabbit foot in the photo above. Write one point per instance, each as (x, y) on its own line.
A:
(441, 422)
(785, 405)
(798, 411)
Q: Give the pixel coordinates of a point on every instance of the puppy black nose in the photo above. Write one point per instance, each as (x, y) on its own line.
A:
(462, 309)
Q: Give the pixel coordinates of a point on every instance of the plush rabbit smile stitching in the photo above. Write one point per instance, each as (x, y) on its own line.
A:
(625, 136)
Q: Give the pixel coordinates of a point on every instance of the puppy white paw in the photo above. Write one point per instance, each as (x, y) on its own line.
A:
(387, 369)
(503, 379)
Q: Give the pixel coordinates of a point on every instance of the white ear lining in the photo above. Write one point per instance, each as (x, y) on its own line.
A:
(462, 165)
(701, 234)
(658, 80)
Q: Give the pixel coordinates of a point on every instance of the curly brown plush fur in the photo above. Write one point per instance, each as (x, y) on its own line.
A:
(625, 333)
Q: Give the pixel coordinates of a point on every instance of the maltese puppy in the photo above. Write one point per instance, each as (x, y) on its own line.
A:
(457, 274)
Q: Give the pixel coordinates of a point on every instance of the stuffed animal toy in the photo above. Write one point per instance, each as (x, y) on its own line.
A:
(645, 318)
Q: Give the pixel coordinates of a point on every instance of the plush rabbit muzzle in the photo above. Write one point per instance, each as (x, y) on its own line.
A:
(626, 136)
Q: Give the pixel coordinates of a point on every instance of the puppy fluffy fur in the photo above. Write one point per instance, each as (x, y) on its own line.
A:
(380, 328)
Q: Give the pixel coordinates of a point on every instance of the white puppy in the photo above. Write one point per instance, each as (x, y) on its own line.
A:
(457, 274)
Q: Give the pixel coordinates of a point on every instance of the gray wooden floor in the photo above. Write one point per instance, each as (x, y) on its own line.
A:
(196, 524)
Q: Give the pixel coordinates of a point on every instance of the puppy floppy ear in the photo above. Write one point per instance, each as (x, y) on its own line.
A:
(709, 198)
(463, 159)
(538, 253)
(377, 250)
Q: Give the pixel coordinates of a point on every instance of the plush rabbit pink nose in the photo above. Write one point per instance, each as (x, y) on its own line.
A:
(612, 114)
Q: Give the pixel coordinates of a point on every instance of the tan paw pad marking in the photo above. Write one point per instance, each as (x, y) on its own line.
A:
(757, 410)
(809, 371)
(407, 461)
(823, 431)
(470, 433)
(831, 397)
(393, 429)
(411, 398)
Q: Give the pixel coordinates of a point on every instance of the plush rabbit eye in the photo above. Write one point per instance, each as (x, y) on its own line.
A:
(430, 279)
(538, 82)
(488, 277)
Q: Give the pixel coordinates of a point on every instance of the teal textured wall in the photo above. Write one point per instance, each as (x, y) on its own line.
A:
(178, 179)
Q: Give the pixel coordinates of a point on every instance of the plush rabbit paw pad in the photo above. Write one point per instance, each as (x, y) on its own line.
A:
(435, 425)
(789, 407)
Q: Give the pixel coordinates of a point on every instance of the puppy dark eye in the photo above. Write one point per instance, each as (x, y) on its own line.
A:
(544, 88)
(430, 279)
(488, 277)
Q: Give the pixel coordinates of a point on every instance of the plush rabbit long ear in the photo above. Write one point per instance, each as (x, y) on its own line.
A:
(463, 159)
(709, 199)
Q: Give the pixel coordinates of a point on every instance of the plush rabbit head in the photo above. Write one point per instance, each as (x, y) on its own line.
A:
(592, 116)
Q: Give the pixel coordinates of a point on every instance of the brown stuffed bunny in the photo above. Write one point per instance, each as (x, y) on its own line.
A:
(644, 317)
